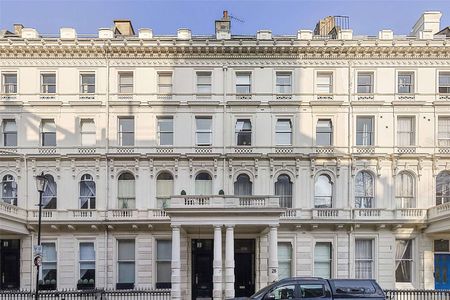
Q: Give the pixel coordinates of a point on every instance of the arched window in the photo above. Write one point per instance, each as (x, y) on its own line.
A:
(323, 192)
(283, 189)
(87, 192)
(203, 184)
(9, 190)
(164, 189)
(364, 190)
(49, 195)
(443, 188)
(404, 191)
(243, 185)
(126, 191)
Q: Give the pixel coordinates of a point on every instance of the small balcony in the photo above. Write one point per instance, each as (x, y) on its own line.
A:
(12, 211)
(214, 201)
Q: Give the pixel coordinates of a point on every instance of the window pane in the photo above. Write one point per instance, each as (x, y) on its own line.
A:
(324, 79)
(284, 260)
(88, 79)
(165, 124)
(10, 78)
(204, 78)
(126, 79)
(165, 79)
(49, 79)
(243, 89)
(126, 272)
(48, 139)
(203, 123)
(126, 250)
(403, 261)
(166, 139)
(87, 251)
(164, 250)
(204, 89)
(87, 125)
(364, 79)
(243, 79)
(283, 79)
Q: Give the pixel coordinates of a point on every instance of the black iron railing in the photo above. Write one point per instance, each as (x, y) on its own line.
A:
(88, 295)
(418, 294)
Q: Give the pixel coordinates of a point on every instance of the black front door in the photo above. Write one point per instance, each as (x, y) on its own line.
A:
(202, 269)
(9, 264)
(244, 270)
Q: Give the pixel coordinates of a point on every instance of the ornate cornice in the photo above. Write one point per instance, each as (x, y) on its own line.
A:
(214, 52)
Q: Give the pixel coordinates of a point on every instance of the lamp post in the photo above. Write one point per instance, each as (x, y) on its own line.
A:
(40, 185)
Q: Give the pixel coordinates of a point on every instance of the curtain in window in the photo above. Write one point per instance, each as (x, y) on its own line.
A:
(443, 188)
(403, 260)
(87, 192)
(164, 189)
(364, 190)
(284, 260)
(363, 257)
(405, 131)
(243, 186)
(163, 263)
(9, 190)
(444, 131)
(126, 191)
(87, 262)
(405, 190)
(49, 260)
(126, 261)
(203, 184)
(322, 260)
(49, 194)
(323, 192)
(283, 189)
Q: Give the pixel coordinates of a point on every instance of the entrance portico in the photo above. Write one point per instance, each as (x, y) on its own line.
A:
(230, 227)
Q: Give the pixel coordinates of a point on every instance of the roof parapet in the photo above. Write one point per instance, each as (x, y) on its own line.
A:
(386, 34)
(105, 33)
(145, 33)
(30, 33)
(67, 33)
(304, 34)
(184, 34)
(264, 34)
(345, 34)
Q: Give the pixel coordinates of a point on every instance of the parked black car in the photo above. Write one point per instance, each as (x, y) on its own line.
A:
(308, 288)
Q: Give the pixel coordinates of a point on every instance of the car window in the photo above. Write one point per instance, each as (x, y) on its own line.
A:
(312, 290)
(353, 286)
(284, 292)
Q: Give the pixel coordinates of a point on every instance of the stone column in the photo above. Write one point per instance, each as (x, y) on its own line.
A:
(176, 265)
(229, 262)
(273, 254)
(217, 264)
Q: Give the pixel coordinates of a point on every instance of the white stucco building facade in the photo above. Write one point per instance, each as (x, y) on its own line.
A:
(216, 164)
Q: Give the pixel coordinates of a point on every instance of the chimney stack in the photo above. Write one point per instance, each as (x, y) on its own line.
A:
(223, 27)
(428, 24)
(18, 29)
(123, 27)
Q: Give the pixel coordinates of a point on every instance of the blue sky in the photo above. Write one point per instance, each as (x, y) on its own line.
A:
(164, 17)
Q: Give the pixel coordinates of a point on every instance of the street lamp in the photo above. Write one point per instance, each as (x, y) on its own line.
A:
(41, 180)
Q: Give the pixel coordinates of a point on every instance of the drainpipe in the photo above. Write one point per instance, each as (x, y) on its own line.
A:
(350, 122)
(107, 165)
(224, 107)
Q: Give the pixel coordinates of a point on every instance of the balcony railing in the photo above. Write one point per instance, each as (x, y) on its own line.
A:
(439, 211)
(12, 210)
(224, 202)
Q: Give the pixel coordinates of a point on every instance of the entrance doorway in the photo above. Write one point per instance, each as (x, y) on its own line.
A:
(442, 271)
(202, 269)
(9, 264)
(244, 269)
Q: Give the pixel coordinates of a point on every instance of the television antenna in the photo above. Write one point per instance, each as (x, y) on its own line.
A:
(237, 19)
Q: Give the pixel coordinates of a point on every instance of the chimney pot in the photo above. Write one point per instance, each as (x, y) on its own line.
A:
(18, 29)
(225, 14)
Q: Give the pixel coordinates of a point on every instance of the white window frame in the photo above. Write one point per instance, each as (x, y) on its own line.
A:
(41, 80)
(446, 73)
(6, 119)
(443, 142)
(119, 132)
(412, 85)
(82, 73)
(413, 134)
(205, 73)
(4, 90)
(94, 132)
(374, 259)
(164, 73)
(282, 118)
(332, 137)
(332, 251)
(158, 130)
(244, 117)
(156, 260)
(331, 85)
(281, 72)
(121, 238)
(372, 133)
(243, 73)
(372, 82)
(42, 132)
(55, 242)
(292, 260)
(92, 241)
(210, 131)
(411, 260)
(120, 85)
